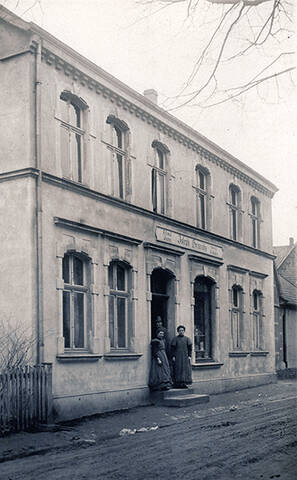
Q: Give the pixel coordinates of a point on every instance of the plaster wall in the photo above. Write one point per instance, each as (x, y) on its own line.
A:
(17, 266)
(16, 134)
(103, 383)
(97, 173)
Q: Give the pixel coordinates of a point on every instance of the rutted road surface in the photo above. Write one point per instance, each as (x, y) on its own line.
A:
(254, 441)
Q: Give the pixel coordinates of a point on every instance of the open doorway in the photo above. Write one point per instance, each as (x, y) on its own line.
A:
(163, 300)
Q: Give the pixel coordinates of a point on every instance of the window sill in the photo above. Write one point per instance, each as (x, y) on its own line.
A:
(122, 356)
(78, 357)
(238, 354)
(198, 366)
(259, 354)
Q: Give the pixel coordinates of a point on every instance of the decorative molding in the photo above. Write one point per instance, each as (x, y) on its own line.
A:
(84, 190)
(259, 354)
(122, 356)
(78, 357)
(235, 268)
(24, 172)
(258, 274)
(163, 249)
(238, 354)
(63, 222)
(202, 259)
(198, 366)
(85, 80)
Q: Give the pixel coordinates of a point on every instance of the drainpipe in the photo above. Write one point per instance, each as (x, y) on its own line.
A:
(38, 204)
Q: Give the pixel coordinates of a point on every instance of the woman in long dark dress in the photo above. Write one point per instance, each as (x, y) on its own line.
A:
(160, 378)
(181, 353)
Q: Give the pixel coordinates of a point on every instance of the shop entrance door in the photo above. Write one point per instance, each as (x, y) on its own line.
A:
(162, 285)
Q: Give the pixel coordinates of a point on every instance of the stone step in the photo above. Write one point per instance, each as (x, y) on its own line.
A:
(177, 392)
(184, 400)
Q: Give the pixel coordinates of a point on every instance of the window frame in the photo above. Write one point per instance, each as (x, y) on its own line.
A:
(159, 178)
(76, 133)
(202, 197)
(115, 294)
(120, 149)
(257, 320)
(255, 222)
(236, 311)
(73, 289)
(235, 212)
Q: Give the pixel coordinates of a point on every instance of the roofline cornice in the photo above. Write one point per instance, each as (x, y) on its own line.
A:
(52, 58)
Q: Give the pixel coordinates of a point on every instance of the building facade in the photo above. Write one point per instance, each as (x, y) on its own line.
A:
(114, 212)
(286, 309)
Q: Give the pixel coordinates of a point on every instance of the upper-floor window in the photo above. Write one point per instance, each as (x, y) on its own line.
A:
(257, 328)
(201, 187)
(120, 167)
(159, 177)
(73, 110)
(255, 219)
(119, 304)
(235, 212)
(76, 306)
(237, 317)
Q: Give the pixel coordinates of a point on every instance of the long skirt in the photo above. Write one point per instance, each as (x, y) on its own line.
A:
(160, 377)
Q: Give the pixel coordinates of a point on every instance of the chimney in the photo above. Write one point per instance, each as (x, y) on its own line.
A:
(291, 240)
(151, 95)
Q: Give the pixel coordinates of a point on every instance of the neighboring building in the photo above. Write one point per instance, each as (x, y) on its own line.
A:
(286, 309)
(113, 212)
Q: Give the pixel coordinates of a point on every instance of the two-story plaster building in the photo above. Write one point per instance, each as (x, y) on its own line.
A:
(112, 212)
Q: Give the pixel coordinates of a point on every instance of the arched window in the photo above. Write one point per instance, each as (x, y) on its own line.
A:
(76, 300)
(202, 184)
(235, 212)
(255, 219)
(236, 317)
(257, 320)
(72, 135)
(159, 177)
(120, 171)
(119, 304)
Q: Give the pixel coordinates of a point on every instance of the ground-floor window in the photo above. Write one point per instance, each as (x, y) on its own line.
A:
(203, 290)
(119, 304)
(257, 320)
(75, 300)
(236, 317)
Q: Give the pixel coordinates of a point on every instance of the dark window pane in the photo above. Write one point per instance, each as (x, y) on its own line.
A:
(65, 268)
(111, 321)
(77, 159)
(201, 181)
(78, 320)
(154, 190)
(235, 297)
(233, 197)
(111, 276)
(65, 154)
(66, 318)
(255, 295)
(234, 225)
(78, 278)
(162, 193)
(254, 228)
(160, 159)
(202, 212)
(77, 115)
(120, 175)
(121, 322)
(120, 278)
(119, 135)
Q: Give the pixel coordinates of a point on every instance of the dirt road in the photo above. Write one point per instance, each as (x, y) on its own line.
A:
(254, 441)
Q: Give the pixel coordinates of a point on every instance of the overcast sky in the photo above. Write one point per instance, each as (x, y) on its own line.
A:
(156, 51)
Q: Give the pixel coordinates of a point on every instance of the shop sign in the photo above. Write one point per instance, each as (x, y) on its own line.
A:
(185, 241)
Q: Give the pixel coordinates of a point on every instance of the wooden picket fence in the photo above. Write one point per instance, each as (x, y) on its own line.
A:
(25, 397)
